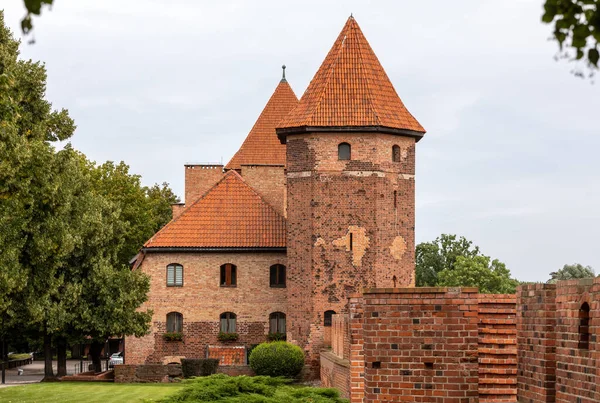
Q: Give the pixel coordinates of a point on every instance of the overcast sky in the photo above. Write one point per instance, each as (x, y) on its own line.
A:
(510, 158)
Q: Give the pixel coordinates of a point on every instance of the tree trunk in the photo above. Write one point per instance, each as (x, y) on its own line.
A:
(61, 355)
(48, 371)
(95, 350)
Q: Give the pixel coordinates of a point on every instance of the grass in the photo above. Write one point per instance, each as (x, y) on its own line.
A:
(77, 392)
(23, 356)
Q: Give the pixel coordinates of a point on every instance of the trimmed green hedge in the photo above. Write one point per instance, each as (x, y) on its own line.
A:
(199, 367)
(278, 358)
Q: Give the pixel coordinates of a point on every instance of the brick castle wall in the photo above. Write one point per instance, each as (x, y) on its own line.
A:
(350, 225)
(200, 178)
(268, 181)
(201, 301)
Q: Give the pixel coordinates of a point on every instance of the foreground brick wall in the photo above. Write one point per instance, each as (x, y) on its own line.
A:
(146, 373)
(420, 345)
(497, 348)
(201, 301)
(536, 339)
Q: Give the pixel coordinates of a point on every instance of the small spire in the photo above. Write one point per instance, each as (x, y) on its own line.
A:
(351, 15)
(283, 80)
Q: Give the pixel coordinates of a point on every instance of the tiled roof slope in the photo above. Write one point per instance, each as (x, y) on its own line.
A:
(262, 147)
(230, 215)
(351, 89)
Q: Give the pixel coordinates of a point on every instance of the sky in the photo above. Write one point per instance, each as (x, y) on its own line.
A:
(510, 158)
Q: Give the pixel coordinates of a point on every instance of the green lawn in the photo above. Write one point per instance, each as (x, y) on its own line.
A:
(77, 392)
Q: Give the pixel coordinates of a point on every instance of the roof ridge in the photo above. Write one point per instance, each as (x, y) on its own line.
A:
(362, 66)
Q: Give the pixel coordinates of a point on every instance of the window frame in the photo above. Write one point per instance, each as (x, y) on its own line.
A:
(583, 329)
(278, 317)
(396, 153)
(344, 144)
(175, 266)
(223, 274)
(178, 322)
(227, 317)
(279, 269)
(328, 317)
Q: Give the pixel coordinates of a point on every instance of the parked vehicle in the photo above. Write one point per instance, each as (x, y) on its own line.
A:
(115, 359)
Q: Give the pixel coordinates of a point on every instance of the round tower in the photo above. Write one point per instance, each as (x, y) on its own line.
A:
(350, 189)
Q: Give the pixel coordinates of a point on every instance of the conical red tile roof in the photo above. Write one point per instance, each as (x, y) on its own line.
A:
(261, 146)
(351, 90)
(230, 215)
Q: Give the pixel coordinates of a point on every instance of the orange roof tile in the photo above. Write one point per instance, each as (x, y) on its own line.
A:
(229, 215)
(261, 146)
(351, 89)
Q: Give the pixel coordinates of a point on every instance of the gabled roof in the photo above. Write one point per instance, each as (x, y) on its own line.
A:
(261, 146)
(229, 215)
(351, 90)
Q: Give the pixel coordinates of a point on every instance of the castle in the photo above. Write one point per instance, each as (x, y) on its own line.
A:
(318, 203)
(308, 234)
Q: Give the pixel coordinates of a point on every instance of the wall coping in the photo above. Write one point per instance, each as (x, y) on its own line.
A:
(421, 290)
(329, 355)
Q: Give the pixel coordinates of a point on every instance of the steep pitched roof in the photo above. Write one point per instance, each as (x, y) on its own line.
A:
(261, 146)
(229, 215)
(351, 89)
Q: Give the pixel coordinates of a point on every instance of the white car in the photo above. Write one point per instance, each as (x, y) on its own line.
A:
(115, 359)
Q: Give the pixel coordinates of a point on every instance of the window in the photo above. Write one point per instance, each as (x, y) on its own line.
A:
(277, 276)
(174, 275)
(328, 318)
(228, 275)
(396, 153)
(174, 322)
(584, 326)
(228, 322)
(344, 151)
(277, 322)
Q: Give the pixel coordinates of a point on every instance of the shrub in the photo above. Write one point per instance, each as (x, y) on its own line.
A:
(199, 367)
(227, 336)
(276, 337)
(244, 389)
(278, 358)
(173, 336)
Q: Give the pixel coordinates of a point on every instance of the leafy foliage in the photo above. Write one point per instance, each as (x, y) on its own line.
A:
(173, 336)
(276, 336)
(570, 272)
(278, 358)
(243, 389)
(576, 29)
(199, 367)
(453, 261)
(222, 336)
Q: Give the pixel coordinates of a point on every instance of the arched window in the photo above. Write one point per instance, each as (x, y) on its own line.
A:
(277, 276)
(328, 318)
(396, 153)
(584, 326)
(228, 275)
(174, 322)
(228, 322)
(344, 151)
(277, 322)
(174, 275)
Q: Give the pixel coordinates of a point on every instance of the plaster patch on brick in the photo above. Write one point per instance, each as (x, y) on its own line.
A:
(363, 173)
(303, 174)
(406, 176)
(398, 247)
(320, 242)
(360, 243)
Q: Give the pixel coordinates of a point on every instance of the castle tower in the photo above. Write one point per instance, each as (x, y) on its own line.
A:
(351, 189)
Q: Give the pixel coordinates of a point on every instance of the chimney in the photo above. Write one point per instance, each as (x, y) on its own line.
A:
(200, 178)
(177, 208)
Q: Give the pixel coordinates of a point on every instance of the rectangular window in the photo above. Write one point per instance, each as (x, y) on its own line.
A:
(228, 275)
(277, 276)
(175, 275)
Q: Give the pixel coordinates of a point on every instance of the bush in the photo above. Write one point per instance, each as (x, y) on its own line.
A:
(199, 367)
(244, 389)
(173, 336)
(278, 358)
(276, 337)
(227, 336)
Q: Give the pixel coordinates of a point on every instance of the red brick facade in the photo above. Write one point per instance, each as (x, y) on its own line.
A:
(200, 178)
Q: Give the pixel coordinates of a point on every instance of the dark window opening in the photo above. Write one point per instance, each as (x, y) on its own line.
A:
(174, 322)
(396, 153)
(395, 198)
(351, 241)
(277, 322)
(228, 322)
(344, 151)
(228, 275)
(277, 276)
(174, 275)
(584, 326)
(328, 317)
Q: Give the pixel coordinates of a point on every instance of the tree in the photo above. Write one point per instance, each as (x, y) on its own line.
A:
(576, 29)
(438, 255)
(571, 271)
(489, 276)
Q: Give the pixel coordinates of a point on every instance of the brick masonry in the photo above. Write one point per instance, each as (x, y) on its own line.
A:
(269, 182)
(200, 178)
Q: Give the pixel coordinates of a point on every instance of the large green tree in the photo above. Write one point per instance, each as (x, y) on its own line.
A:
(454, 261)
(570, 272)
